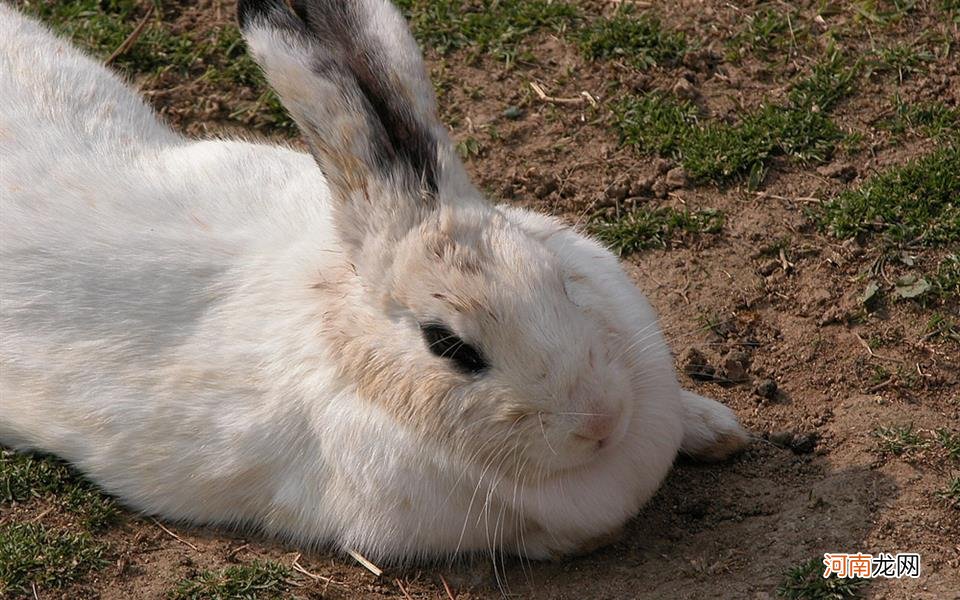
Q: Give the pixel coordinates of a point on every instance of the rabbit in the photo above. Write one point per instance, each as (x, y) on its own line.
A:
(349, 348)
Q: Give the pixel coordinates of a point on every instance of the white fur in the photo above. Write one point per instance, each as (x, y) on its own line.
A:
(159, 329)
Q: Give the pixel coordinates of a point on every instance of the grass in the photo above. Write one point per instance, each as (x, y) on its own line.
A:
(918, 202)
(950, 441)
(638, 39)
(32, 554)
(898, 439)
(26, 477)
(721, 152)
(257, 581)
(951, 494)
(933, 120)
(495, 27)
(765, 31)
(806, 582)
(901, 59)
(644, 228)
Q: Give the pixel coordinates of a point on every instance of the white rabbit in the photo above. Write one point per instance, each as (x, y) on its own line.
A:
(364, 355)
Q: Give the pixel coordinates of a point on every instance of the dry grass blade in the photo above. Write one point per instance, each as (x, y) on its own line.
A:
(542, 95)
(132, 38)
(174, 536)
(377, 571)
(446, 588)
(296, 566)
(403, 590)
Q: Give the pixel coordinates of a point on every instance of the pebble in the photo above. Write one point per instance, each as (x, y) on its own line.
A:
(766, 388)
(676, 178)
(695, 365)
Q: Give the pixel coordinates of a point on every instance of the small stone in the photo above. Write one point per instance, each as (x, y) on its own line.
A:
(696, 367)
(676, 178)
(766, 388)
(642, 187)
(845, 172)
(684, 89)
(513, 112)
(735, 366)
(660, 189)
(804, 443)
(618, 191)
(781, 439)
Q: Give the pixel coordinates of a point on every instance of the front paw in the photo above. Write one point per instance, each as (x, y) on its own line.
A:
(711, 431)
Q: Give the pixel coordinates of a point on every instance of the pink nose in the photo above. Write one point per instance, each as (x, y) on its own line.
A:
(596, 427)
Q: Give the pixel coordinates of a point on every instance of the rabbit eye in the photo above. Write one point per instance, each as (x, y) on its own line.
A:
(444, 343)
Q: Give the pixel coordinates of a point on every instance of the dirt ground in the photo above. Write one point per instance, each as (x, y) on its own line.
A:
(816, 478)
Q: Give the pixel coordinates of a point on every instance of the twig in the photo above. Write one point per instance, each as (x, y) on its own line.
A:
(402, 589)
(33, 587)
(174, 536)
(299, 569)
(872, 353)
(583, 97)
(132, 38)
(446, 588)
(366, 563)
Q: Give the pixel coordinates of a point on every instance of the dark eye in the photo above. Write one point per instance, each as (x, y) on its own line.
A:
(446, 344)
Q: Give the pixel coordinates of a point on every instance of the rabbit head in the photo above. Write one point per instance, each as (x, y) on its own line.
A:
(477, 328)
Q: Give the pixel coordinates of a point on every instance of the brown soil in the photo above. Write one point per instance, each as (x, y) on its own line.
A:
(716, 531)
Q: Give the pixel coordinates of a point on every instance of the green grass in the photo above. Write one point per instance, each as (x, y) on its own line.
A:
(31, 553)
(933, 120)
(918, 202)
(949, 441)
(766, 31)
(806, 582)
(257, 581)
(946, 281)
(831, 80)
(639, 39)
(497, 27)
(28, 477)
(644, 228)
(655, 123)
(722, 152)
(951, 493)
(901, 59)
(898, 439)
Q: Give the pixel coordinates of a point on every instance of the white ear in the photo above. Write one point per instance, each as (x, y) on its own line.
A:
(353, 78)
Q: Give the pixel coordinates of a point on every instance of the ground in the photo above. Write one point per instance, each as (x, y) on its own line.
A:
(782, 181)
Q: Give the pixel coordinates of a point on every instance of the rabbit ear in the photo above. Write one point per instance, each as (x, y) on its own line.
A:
(352, 77)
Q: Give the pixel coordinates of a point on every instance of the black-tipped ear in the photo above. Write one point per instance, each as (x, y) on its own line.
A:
(352, 77)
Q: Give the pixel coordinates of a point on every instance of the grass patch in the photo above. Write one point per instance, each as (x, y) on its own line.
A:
(720, 152)
(898, 439)
(484, 26)
(830, 81)
(918, 202)
(931, 120)
(950, 441)
(806, 582)
(901, 59)
(33, 554)
(655, 123)
(951, 494)
(25, 477)
(640, 40)
(766, 31)
(644, 228)
(258, 580)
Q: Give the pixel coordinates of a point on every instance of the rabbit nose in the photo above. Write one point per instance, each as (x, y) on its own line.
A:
(596, 427)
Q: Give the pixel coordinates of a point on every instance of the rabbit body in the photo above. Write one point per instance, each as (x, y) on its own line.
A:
(193, 325)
